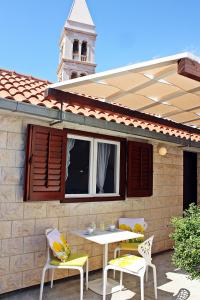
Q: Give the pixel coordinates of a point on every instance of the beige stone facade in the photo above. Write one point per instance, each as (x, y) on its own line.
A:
(22, 225)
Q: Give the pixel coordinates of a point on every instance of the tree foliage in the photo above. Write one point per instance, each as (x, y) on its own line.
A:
(186, 238)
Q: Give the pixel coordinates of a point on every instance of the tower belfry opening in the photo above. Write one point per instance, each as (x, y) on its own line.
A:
(77, 44)
(75, 54)
(84, 51)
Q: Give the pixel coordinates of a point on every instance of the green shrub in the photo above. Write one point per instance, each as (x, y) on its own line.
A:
(186, 238)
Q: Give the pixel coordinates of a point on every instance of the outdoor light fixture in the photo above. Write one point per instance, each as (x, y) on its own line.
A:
(162, 150)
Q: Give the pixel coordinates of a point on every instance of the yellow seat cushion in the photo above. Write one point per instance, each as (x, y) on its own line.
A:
(74, 260)
(130, 262)
(129, 246)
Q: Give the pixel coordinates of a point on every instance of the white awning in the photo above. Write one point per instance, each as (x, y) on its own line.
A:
(152, 87)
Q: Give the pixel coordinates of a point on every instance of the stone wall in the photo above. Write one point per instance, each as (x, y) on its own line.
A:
(22, 225)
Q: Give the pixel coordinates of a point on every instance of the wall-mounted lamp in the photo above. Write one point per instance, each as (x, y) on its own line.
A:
(162, 150)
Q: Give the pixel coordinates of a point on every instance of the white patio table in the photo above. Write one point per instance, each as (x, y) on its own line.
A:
(105, 238)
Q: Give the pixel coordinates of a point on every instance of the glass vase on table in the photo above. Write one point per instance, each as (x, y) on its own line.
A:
(102, 226)
(93, 226)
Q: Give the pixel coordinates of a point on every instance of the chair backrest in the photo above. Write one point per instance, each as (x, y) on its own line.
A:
(183, 294)
(57, 245)
(145, 249)
(132, 224)
(49, 251)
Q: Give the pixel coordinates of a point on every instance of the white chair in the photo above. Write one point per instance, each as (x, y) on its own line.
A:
(183, 294)
(133, 265)
(75, 262)
(129, 246)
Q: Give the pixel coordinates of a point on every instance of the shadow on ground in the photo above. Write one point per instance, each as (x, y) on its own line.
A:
(170, 281)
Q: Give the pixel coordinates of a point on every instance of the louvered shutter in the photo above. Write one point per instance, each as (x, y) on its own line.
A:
(45, 164)
(140, 170)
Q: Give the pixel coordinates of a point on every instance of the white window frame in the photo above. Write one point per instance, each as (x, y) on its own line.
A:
(93, 167)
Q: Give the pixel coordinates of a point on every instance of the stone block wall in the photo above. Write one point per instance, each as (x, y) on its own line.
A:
(22, 225)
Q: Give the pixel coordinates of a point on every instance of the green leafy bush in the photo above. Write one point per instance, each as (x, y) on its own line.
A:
(186, 238)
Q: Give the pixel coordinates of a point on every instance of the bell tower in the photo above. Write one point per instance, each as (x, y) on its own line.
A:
(77, 43)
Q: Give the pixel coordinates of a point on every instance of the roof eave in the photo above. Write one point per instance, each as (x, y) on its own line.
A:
(74, 99)
(53, 115)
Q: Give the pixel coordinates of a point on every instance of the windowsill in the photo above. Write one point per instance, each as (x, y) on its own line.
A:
(91, 195)
(93, 198)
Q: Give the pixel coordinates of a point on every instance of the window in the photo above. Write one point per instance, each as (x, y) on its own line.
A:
(73, 166)
(82, 74)
(75, 54)
(84, 51)
(74, 75)
(92, 168)
(76, 166)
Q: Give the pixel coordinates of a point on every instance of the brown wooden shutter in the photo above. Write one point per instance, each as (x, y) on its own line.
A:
(140, 170)
(45, 164)
(122, 186)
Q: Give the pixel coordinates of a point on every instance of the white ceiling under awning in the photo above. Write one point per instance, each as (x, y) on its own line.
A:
(152, 87)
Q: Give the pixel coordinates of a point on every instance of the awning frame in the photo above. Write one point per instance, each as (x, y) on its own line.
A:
(74, 99)
(146, 94)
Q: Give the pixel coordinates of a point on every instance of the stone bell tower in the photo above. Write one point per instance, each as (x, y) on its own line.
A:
(77, 43)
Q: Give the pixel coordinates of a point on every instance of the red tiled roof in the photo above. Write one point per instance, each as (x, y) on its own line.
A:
(28, 89)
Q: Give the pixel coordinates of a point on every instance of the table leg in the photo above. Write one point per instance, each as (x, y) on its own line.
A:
(105, 256)
(112, 285)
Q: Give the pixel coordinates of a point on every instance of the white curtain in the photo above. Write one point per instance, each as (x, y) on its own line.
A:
(70, 146)
(103, 155)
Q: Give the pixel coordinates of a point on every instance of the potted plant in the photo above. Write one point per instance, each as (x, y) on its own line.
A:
(186, 238)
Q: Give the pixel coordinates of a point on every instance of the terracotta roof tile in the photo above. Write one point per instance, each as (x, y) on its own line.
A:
(27, 89)
(4, 93)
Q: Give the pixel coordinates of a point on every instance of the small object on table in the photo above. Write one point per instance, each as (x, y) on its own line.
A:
(93, 225)
(102, 226)
(89, 230)
(112, 227)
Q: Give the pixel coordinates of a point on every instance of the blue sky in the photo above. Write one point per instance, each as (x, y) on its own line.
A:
(128, 31)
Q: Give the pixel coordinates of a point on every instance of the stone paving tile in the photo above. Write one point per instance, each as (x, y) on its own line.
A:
(69, 289)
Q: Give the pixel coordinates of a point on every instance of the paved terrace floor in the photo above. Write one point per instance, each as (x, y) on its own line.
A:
(170, 280)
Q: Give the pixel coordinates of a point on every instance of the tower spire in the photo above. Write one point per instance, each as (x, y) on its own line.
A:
(80, 13)
(77, 44)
